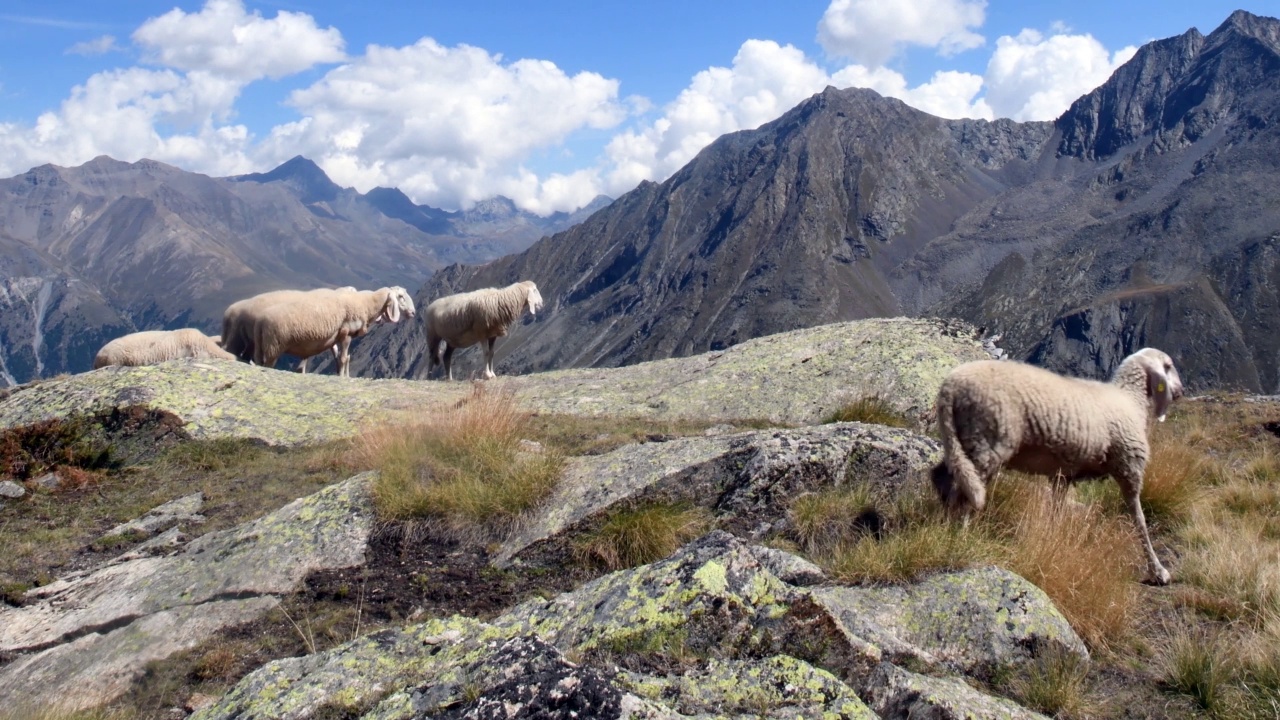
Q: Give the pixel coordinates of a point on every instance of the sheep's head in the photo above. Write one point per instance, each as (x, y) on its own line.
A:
(534, 300)
(1152, 370)
(398, 302)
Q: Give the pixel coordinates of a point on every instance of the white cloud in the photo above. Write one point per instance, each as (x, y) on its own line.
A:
(872, 31)
(224, 39)
(948, 93)
(97, 46)
(766, 80)
(449, 126)
(1031, 77)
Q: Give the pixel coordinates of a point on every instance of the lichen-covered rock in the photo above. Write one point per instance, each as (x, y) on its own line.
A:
(100, 666)
(776, 686)
(790, 569)
(795, 377)
(898, 694)
(130, 610)
(184, 509)
(971, 621)
(747, 479)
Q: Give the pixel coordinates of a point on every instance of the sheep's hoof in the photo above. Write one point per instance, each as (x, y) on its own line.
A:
(1158, 577)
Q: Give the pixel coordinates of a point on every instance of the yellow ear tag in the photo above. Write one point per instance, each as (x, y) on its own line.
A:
(1160, 387)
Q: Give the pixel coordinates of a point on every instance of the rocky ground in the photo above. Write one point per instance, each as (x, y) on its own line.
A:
(318, 608)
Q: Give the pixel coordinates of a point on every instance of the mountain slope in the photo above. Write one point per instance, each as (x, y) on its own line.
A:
(1146, 214)
(92, 252)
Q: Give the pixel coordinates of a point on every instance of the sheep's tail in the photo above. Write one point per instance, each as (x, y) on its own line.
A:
(956, 478)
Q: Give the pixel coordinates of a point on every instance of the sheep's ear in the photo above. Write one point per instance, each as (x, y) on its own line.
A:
(1159, 389)
(392, 310)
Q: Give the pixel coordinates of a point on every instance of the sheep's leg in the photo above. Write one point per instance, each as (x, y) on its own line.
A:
(302, 365)
(344, 356)
(488, 359)
(447, 359)
(1132, 491)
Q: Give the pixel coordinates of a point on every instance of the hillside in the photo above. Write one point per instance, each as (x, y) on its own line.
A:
(1146, 214)
(693, 537)
(91, 252)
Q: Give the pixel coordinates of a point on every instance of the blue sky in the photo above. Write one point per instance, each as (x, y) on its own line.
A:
(548, 103)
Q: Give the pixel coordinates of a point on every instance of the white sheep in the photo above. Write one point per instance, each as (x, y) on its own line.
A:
(310, 325)
(464, 319)
(998, 413)
(239, 318)
(153, 346)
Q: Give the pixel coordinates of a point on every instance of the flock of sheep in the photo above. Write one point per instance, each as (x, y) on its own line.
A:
(991, 414)
(305, 323)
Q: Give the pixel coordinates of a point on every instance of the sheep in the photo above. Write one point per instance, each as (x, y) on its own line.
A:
(239, 317)
(310, 325)
(464, 319)
(1000, 413)
(154, 346)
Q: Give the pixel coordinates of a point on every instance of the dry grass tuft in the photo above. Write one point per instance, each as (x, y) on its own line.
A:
(1087, 562)
(1199, 664)
(1056, 684)
(641, 535)
(1176, 479)
(872, 409)
(463, 467)
(821, 521)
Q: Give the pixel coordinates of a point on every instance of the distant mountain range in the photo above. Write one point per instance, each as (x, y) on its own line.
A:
(92, 252)
(1147, 214)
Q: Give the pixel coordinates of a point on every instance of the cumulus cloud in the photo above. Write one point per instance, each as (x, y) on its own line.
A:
(1031, 77)
(872, 31)
(97, 46)
(449, 126)
(766, 80)
(224, 39)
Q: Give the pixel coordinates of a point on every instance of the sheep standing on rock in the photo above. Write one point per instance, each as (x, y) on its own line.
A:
(310, 325)
(462, 320)
(994, 414)
(153, 346)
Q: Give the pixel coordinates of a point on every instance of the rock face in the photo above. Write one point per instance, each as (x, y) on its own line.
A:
(796, 377)
(708, 632)
(87, 636)
(1161, 183)
(743, 479)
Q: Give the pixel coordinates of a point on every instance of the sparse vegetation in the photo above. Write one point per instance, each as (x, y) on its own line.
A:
(872, 409)
(639, 535)
(464, 468)
(1056, 684)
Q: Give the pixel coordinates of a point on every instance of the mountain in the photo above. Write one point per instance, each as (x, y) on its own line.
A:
(1146, 214)
(92, 252)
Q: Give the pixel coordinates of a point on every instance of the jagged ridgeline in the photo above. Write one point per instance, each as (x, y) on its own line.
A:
(1147, 214)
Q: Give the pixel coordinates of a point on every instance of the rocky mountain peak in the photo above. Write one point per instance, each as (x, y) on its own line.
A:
(312, 184)
(495, 208)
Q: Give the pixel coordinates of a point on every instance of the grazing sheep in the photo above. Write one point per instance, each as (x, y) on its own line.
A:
(154, 346)
(994, 414)
(462, 320)
(310, 325)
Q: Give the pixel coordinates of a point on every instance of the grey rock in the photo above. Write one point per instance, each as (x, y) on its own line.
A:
(898, 694)
(182, 510)
(788, 568)
(971, 622)
(744, 478)
(125, 612)
(11, 489)
(49, 481)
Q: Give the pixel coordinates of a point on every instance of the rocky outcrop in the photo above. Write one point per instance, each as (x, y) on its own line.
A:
(797, 377)
(708, 632)
(744, 479)
(87, 635)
